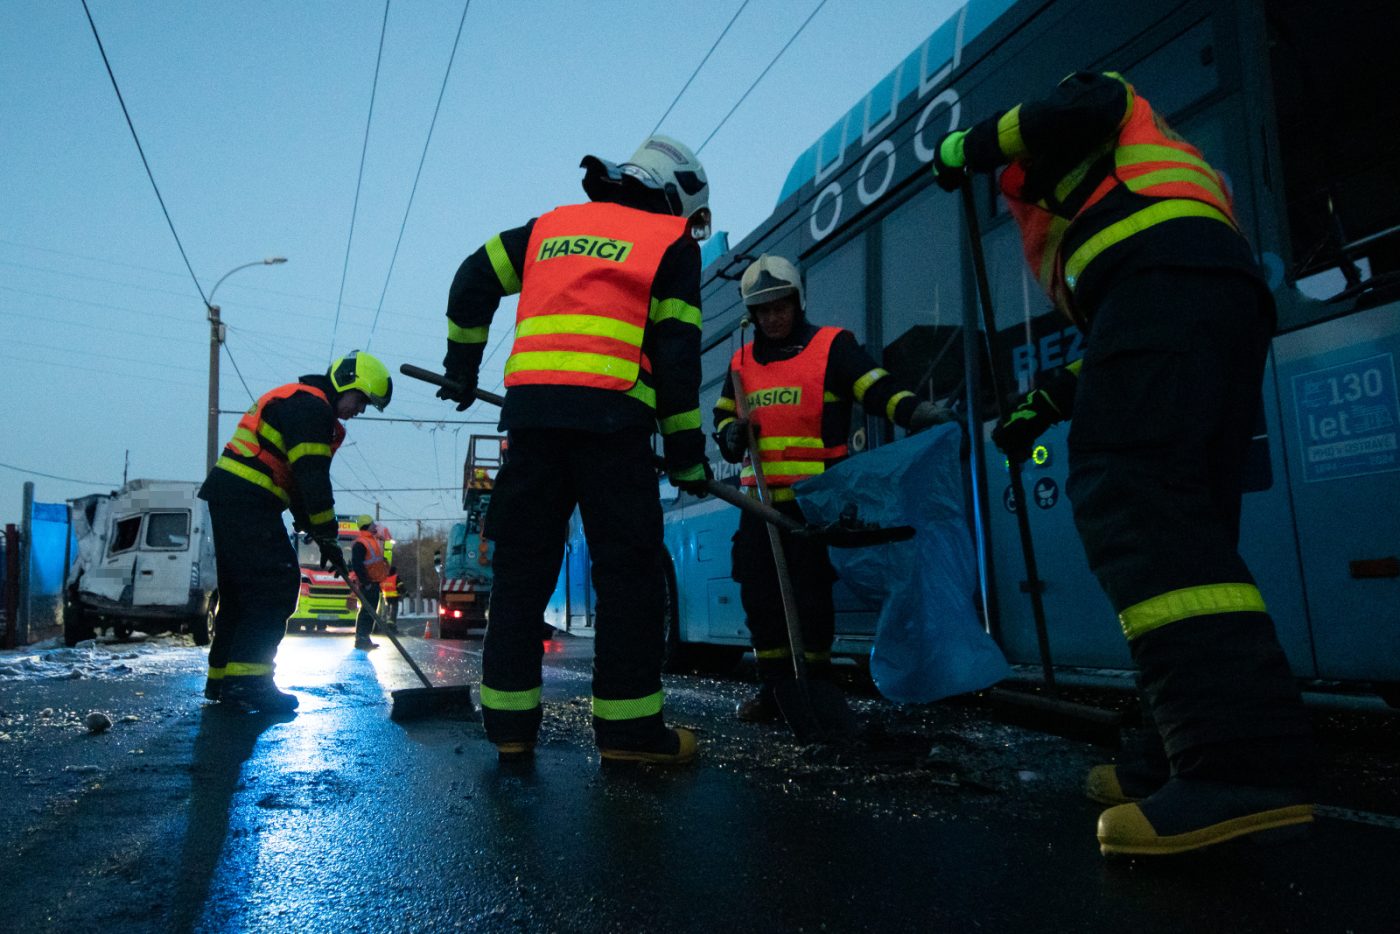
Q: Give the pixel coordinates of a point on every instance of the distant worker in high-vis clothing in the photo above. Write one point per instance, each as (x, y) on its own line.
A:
(279, 458)
(606, 352)
(1134, 236)
(800, 380)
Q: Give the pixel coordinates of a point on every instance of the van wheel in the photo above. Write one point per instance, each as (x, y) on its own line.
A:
(122, 630)
(202, 627)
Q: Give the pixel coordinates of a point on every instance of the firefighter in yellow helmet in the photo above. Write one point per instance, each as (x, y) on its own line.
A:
(371, 568)
(1133, 235)
(606, 353)
(278, 459)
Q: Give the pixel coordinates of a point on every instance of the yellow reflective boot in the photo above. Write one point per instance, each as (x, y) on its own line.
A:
(676, 748)
(1187, 815)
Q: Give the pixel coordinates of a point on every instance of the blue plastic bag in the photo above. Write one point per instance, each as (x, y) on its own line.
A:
(929, 641)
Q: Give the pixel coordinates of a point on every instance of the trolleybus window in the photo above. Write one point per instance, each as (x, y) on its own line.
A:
(836, 288)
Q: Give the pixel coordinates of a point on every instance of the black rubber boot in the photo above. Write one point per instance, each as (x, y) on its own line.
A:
(256, 692)
(212, 688)
(675, 747)
(1187, 815)
(365, 644)
(760, 708)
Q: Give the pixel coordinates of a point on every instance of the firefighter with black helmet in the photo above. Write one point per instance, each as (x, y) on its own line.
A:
(279, 458)
(800, 381)
(1134, 236)
(606, 352)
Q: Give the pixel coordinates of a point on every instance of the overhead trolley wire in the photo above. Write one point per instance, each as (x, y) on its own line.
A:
(251, 397)
(49, 476)
(360, 177)
(149, 174)
(421, 159)
(760, 76)
(698, 67)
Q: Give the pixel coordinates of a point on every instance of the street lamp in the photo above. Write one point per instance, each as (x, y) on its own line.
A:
(216, 337)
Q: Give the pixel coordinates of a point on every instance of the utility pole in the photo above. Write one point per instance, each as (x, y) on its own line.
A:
(418, 561)
(376, 510)
(126, 463)
(216, 339)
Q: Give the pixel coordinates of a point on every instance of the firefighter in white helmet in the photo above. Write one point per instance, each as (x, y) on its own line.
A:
(606, 353)
(800, 381)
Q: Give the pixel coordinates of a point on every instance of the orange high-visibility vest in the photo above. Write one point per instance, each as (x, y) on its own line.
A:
(390, 586)
(586, 295)
(376, 568)
(785, 400)
(1147, 159)
(255, 453)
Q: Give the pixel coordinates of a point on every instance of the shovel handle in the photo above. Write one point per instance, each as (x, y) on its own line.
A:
(338, 564)
(437, 379)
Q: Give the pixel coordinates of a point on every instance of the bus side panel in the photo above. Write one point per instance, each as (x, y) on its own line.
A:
(1341, 425)
(1082, 626)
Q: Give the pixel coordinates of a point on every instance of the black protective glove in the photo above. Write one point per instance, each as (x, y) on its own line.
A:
(733, 440)
(1051, 403)
(949, 163)
(926, 415)
(464, 395)
(331, 555)
(691, 479)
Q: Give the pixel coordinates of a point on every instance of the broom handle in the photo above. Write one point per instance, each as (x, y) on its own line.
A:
(338, 563)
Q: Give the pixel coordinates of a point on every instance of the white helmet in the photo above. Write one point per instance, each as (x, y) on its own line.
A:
(769, 278)
(663, 175)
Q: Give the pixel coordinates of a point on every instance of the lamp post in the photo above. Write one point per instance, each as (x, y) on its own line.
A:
(216, 337)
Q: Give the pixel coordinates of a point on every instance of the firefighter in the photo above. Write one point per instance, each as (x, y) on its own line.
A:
(606, 351)
(370, 568)
(279, 458)
(800, 381)
(1134, 236)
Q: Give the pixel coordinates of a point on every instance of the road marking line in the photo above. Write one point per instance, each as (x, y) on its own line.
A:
(1358, 817)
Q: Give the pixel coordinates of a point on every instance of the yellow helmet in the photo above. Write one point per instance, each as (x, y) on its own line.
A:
(359, 370)
(365, 521)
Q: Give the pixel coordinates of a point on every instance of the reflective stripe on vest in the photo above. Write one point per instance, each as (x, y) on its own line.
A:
(785, 400)
(586, 295)
(1148, 160)
(257, 452)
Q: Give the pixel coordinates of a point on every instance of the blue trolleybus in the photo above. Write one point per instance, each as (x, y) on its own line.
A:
(1295, 105)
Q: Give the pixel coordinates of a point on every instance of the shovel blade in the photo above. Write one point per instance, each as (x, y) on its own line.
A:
(815, 711)
(450, 703)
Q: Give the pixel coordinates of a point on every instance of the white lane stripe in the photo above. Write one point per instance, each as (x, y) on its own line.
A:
(1358, 817)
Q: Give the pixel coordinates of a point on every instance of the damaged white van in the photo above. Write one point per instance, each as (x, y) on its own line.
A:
(145, 561)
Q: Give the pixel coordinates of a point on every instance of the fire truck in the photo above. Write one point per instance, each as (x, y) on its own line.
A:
(324, 600)
(465, 571)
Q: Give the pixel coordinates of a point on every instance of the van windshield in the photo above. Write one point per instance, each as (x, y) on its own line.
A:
(168, 529)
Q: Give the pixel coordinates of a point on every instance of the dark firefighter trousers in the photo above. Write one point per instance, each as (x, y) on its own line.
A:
(612, 481)
(1164, 415)
(259, 579)
(364, 623)
(809, 567)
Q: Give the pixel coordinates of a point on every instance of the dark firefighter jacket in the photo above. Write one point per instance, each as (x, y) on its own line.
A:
(302, 431)
(671, 343)
(1066, 145)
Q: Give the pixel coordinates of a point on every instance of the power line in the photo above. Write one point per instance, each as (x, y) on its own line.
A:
(360, 177)
(421, 159)
(49, 476)
(388, 418)
(698, 67)
(228, 351)
(396, 489)
(144, 162)
(760, 77)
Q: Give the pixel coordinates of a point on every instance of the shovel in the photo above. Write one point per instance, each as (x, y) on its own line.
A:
(815, 711)
(453, 701)
(437, 379)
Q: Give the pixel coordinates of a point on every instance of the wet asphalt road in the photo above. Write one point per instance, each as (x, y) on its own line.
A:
(185, 817)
